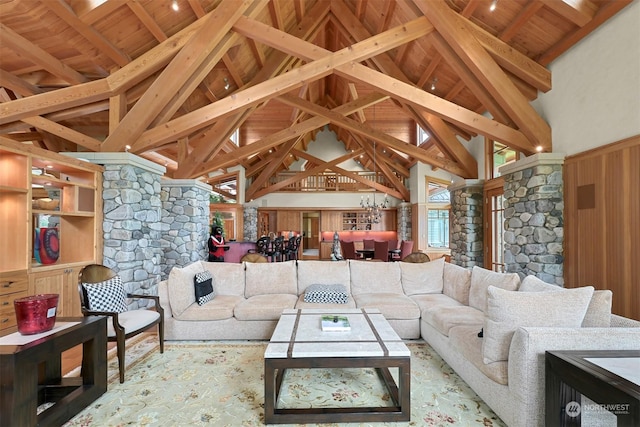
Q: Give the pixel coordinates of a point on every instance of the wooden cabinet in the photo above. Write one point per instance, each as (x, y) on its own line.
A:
(326, 248)
(42, 189)
(358, 220)
(13, 285)
(331, 221)
(62, 281)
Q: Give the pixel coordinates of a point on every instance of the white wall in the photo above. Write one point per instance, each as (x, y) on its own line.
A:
(595, 98)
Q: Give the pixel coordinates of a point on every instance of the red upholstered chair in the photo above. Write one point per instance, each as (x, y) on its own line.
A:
(381, 251)
(348, 249)
(406, 247)
(368, 244)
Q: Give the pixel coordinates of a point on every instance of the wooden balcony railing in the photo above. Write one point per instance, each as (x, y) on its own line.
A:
(327, 182)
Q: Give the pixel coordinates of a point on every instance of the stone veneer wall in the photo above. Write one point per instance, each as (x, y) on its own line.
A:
(465, 223)
(185, 222)
(404, 221)
(250, 223)
(132, 226)
(533, 214)
(150, 224)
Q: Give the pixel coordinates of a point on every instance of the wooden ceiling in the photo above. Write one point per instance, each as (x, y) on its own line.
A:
(174, 85)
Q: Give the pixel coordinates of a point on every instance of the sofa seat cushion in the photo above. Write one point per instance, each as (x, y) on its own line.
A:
(466, 341)
(219, 308)
(443, 318)
(302, 304)
(264, 307)
(422, 278)
(392, 306)
(375, 277)
(426, 301)
(271, 278)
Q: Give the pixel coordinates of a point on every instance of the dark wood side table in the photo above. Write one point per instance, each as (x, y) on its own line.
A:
(30, 374)
(570, 374)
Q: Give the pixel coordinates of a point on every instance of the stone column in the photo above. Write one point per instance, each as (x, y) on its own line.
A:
(404, 221)
(533, 213)
(185, 222)
(465, 223)
(250, 223)
(132, 227)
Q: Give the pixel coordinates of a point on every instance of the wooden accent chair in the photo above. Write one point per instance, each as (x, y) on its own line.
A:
(102, 294)
(416, 257)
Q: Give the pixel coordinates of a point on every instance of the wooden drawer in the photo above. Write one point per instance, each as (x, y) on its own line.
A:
(13, 283)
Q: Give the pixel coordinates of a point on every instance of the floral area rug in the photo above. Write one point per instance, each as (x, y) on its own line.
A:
(221, 384)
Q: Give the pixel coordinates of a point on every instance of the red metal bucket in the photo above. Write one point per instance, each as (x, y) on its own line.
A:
(36, 313)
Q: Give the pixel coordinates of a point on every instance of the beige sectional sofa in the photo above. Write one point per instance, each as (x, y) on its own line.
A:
(444, 304)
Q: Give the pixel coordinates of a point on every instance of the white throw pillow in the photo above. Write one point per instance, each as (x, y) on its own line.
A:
(180, 287)
(422, 278)
(508, 310)
(599, 311)
(482, 278)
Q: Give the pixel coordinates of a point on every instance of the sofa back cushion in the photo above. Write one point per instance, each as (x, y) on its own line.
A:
(323, 273)
(368, 277)
(422, 278)
(180, 286)
(270, 278)
(599, 311)
(482, 278)
(508, 310)
(457, 281)
(228, 277)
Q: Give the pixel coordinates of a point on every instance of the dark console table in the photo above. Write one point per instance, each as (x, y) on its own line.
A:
(570, 374)
(30, 375)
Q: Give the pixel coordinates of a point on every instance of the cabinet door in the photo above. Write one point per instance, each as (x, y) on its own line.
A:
(325, 250)
(331, 221)
(63, 282)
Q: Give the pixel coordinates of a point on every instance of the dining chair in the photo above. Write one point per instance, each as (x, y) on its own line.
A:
(348, 249)
(381, 250)
(416, 257)
(368, 243)
(102, 294)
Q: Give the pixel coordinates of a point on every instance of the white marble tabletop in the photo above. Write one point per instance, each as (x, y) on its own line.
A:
(625, 367)
(299, 334)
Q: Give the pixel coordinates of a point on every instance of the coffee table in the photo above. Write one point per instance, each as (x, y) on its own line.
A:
(298, 342)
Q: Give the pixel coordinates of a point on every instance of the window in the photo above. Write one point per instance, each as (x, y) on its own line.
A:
(438, 206)
(235, 137)
(496, 155)
(438, 227)
(494, 225)
(422, 135)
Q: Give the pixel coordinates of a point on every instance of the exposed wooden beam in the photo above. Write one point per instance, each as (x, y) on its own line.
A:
(176, 73)
(580, 12)
(63, 132)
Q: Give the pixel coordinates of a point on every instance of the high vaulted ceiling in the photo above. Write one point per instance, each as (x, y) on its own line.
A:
(174, 85)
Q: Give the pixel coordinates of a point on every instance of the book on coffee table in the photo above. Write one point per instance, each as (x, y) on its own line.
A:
(334, 323)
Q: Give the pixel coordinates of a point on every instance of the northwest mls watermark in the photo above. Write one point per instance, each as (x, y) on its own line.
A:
(573, 409)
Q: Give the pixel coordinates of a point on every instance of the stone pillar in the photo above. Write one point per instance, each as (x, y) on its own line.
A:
(250, 223)
(465, 223)
(132, 227)
(404, 221)
(533, 214)
(185, 222)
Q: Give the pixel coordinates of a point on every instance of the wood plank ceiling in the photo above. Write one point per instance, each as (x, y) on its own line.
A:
(173, 80)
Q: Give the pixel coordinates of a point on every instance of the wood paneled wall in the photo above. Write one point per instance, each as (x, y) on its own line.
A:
(602, 222)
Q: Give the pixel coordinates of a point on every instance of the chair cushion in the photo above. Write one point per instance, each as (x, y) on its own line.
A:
(107, 296)
(326, 294)
(203, 287)
(133, 321)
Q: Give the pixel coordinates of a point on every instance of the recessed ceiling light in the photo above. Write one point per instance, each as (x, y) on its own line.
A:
(539, 148)
(494, 3)
(174, 5)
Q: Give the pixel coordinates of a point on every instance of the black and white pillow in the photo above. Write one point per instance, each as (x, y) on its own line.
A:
(326, 294)
(203, 283)
(108, 296)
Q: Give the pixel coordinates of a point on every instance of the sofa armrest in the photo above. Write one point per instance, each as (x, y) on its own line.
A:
(527, 354)
(163, 294)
